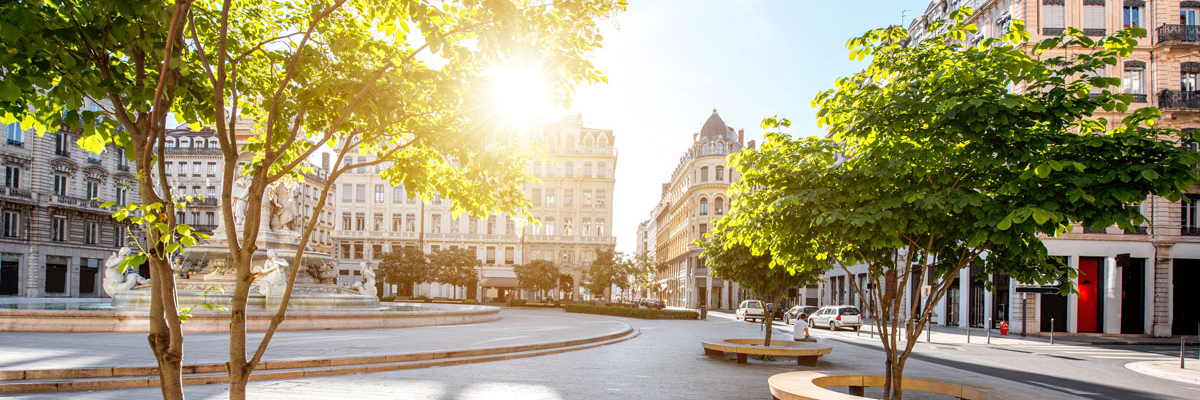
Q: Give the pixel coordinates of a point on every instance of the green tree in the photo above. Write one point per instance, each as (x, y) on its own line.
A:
(456, 266)
(642, 268)
(935, 164)
(313, 74)
(566, 284)
(760, 273)
(608, 269)
(405, 266)
(537, 276)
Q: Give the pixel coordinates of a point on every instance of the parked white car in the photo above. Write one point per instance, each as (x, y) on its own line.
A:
(750, 309)
(836, 317)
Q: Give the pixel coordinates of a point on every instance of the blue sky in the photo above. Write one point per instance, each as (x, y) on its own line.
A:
(670, 62)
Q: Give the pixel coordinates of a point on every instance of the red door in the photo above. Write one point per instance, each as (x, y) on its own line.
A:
(1089, 285)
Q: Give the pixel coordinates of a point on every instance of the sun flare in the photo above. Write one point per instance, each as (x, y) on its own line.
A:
(520, 94)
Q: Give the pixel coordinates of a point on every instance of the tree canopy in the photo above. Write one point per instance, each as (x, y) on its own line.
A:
(403, 266)
(608, 269)
(943, 155)
(456, 266)
(537, 275)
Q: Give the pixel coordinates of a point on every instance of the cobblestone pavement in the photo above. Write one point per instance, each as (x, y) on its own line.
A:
(33, 350)
(664, 362)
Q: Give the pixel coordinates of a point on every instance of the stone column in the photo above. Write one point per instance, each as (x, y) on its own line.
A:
(35, 272)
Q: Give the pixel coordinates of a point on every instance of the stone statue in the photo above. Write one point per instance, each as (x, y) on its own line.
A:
(114, 280)
(241, 197)
(283, 207)
(272, 270)
(328, 273)
(367, 285)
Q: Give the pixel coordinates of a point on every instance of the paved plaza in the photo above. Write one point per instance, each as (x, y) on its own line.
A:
(664, 361)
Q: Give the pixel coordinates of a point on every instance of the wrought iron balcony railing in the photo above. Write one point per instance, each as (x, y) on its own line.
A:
(1190, 231)
(1179, 34)
(1179, 100)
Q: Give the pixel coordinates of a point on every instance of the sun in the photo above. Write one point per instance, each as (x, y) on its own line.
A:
(520, 93)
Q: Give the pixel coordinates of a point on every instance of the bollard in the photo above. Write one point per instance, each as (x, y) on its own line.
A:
(968, 333)
(928, 334)
(989, 328)
(1182, 350)
(1051, 331)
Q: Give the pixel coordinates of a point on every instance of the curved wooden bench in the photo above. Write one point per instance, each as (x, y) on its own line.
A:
(806, 353)
(811, 385)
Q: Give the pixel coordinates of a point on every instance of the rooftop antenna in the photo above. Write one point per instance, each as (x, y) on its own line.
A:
(902, 16)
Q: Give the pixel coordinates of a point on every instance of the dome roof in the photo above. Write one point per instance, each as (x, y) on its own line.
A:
(714, 128)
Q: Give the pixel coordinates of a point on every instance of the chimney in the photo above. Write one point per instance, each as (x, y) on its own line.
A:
(751, 145)
(741, 136)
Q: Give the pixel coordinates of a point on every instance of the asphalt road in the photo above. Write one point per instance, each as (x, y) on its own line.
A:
(1095, 372)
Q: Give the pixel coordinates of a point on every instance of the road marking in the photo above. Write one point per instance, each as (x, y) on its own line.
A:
(1131, 357)
(1063, 389)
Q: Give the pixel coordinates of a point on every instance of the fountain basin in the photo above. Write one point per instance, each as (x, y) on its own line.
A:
(305, 297)
(95, 317)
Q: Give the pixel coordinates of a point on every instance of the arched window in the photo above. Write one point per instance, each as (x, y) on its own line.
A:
(704, 150)
(719, 205)
(720, 173)
(703, 174)
(720, 150)
(603, 142)
(703, 206)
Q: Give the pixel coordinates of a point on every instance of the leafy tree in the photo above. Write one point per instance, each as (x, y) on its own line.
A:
(608, 269)
(406, 266)
(456, 266)
(314, 74)
(537, 276)
(641, 271)
(934, 165)
(759, 273)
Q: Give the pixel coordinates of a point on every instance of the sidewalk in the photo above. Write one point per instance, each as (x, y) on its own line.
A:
(957, 335)
(1169, 370)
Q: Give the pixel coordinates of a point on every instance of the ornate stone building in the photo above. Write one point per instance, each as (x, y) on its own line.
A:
(695, 196)
(572, 202)
(1133, 282)
(54, 236)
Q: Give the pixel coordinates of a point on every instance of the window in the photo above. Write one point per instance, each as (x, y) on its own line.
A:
(91, 233)
(703, 230)
(378, 193)
(170, 168)
(358, 251)
(473, 226)
(510, 228)
(1189, 81)
(491, 255)
(361, 193)
(12, 224)
(567, 226)
(703, 174)
(549, 223)
(61, 144)
(397, 222)
(197, 168)
(601, 198)
(720, 173)
(537, 197)
(410, 222)
(378, 222)
(509, 253)
(600, 171)
(1053, 19)
(719, 206)
(346, 251)
(703, 206)
(587, 198)
(454, 225)
(398, 194)
(345, 221)
(1132, 81)
(118, 236)
(183, 168)
(587, 170)
(550, 198)
(57, 268)
(587, 226)
(210, 218)
(600, 227)
(15, 134)
(121, 195)
(568, 197)
(196, 217)
(347, 193)
(58, 229)
(1093, 20)
(491, 225)
(1187, 16)
(437, 198)
(435, 223)
(60, 185)
(93, 189)
(376, 251)
(1189, 220)
(12, 177)
(360, 221)
(212, 169)
(1132, 16)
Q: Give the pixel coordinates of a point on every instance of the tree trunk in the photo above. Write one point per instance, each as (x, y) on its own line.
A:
(170, 364)
(768, 321)
(239, 372)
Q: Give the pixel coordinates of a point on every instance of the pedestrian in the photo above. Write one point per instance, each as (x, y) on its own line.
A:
(800, 328)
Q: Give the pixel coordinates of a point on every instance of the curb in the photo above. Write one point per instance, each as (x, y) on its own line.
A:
(76, 379)
(1146, 368)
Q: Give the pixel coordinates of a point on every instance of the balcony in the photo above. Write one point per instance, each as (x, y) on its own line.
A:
(17, 143)
(1179, 34)
(194, 150)
(14, 192)
(75, 201)
(1179, 100)
(1052, 31)
(1190, 231)
(93, 161)
(123, 167)
(62, 152)
(205, 228)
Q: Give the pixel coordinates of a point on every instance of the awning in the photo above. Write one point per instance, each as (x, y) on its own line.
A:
(499, 282)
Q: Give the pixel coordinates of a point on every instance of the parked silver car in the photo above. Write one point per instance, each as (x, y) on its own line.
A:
(795, 312)
(836, 317)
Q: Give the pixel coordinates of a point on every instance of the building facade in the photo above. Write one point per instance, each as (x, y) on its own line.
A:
(54, 236)
(691, 201)
(572, 202)
(1130, 282)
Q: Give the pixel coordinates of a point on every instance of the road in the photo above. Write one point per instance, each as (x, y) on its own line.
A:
(1094, 372)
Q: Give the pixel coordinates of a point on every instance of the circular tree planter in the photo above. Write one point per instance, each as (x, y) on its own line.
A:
(806, 353)
(811, 385)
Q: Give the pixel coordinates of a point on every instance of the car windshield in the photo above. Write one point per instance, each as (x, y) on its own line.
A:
(754, 304)
(849, 311)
